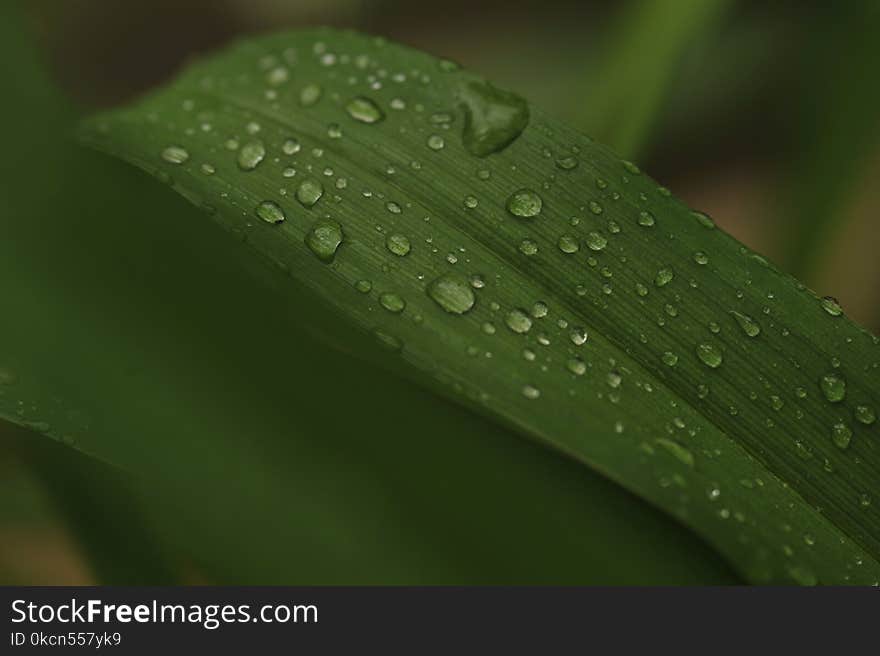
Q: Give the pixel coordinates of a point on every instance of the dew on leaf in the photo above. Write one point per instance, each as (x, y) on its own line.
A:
(578, 336)
(392, 302)
(528, 247)
(290, 146)
(518, 321)
(250, 155)
(865, 414)
(749, 326)
(363, 286)
(669, 358)
(398, 244)
(664, 277)
(833, 387)
(646, 219)
(175, 155)
(309, 192)
(710, 355)
(436, 142)
(841, 434)
(676, 450)
(531, 392)
(703, 219)
(364, 110)
(310, 94)
(596, 241)
(832, 306)
(568, 244)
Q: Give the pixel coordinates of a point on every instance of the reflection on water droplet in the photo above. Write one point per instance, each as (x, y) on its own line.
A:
(398, 244)
(524, 203)
(436, 142)
(596, 242)
(664, 277)
(493, 119)
(324, 239)
(518, 321)
(452, 293)
(363, 286)
(270, 212)
(290, 146)
(528, 247)
(568, 244)
(831, 306)
(364, 110)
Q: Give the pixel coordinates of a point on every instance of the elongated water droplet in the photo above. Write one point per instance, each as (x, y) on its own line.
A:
(703, 219)
(518, 321)
(831, 306)
(250, 155)
(749, 326)
(710, 355)
(531, 392)
(270, 212)
(567, 163)
(309, 192)
(324, 239)
(525, 204)
(675, 449)
(452, 293)
(833, 386)
(576, 366)
(398, 244)
(364, 110)
(175, 155)
(841, 435)
(493, 118)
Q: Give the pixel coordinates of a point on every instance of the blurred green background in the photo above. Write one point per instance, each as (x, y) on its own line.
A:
(762, 114)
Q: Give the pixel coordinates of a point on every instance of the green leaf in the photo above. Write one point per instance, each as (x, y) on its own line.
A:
(548, 284)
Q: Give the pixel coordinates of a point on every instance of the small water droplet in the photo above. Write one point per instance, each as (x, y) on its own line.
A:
(518, 321)
(364, 110)
(646, 219)
(833, 386)
(290, 146)
(749, 326)
(664, 277)
(531, 392)
(324, 239)
(578, 336)
(865, 414)
(363, 286)
(831, 306)
(270, 212)
(452, 293)
(175, 155)
(568, 244)
(540, 309)
(669, 358)
(392, 302)
(701, 258)
(250, 155)
(436, 142)
(309, 192)
(841, 434)
(310, 94)
(703, 219)
(567, 163)
(576, 366)
(528, 247)
(675, 449)
(596, 241)
(525, 204)
(398, 244)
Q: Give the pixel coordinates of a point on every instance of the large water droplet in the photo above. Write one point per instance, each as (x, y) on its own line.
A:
(250, 155)
(493, 118)
(324, 239)
(525, 204)
(364, 110)
(833, 386)
(664, 277)
(270, 212)
(710, 355)
(531, 392)
(749, 326)
(452, 293)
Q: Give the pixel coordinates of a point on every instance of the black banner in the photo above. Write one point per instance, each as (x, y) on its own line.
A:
(419, 620)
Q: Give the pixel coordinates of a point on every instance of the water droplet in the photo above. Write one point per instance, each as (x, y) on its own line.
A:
(596, 207)
(270, 212)
(631, 167)
(250, 155)
(576, 366)
(175, 155)
(865, 414)
(567, 163)
(518, 321)
(841, 434)
(290, 146)
(675, 449)
(392, 302)
(833, 387)
(334, 131)
(596, 241)
(749, 326)
(646, 219)
(309, 192)
(710, 355)
(398, 244)
(703, 219)
(669, 358)
(310, 94)
(452, 293)
(436, 142)
(363, 286)
(208, 169)
(324, 239)
(568, 244)
(493, 118)
(524, 203)
(528, 247)
(471, 202)
(277, 76)
(578, 336)
(865, 500)
(831, 306)
(531, 392)
(701, 258)
(664, 277)
(540, 309)
(364, 110)
(776, 403)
